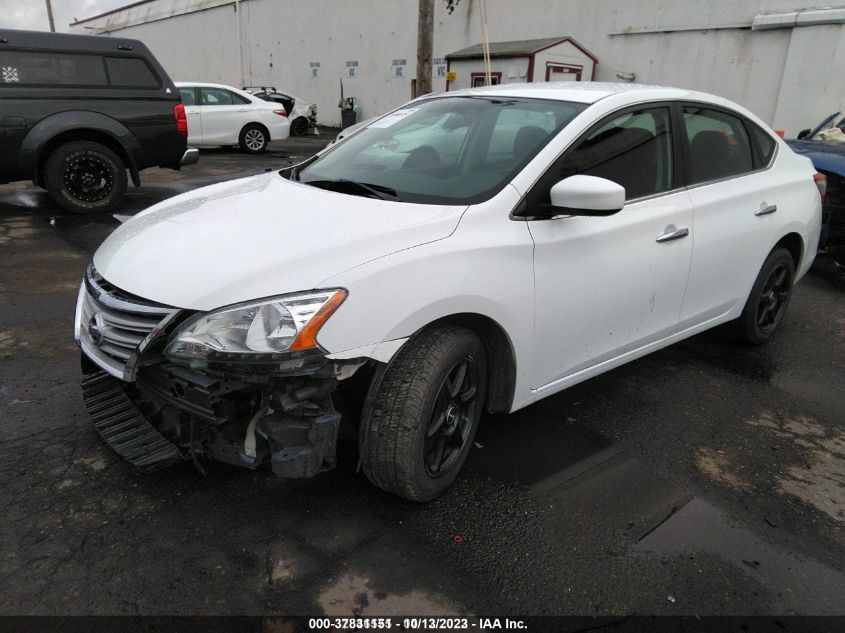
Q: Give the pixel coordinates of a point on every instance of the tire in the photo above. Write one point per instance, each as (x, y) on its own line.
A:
(768, 301)
(85, 177)
(299, 126)
(415, 436)
(253, 139)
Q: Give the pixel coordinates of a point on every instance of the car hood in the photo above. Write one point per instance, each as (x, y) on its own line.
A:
(258, 237)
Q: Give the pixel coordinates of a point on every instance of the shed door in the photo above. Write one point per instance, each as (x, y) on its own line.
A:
(563, 72)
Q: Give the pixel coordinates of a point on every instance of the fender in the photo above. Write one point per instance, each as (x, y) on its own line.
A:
(74, 120)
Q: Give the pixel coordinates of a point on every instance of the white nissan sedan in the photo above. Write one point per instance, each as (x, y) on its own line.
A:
(222, 115)
(471, 251)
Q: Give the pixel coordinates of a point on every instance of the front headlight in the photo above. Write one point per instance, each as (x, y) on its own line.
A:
(258, 332)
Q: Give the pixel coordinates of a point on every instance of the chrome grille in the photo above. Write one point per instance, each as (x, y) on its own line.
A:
(112, 324)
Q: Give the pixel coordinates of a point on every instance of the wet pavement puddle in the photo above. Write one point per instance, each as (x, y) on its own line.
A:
(805, 583)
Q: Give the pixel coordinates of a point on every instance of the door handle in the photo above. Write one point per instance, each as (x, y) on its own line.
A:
(243, 110)
(673, 235)
(766, 209)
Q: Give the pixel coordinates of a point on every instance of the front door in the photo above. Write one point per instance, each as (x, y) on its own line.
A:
(192, 112)
(605, 286)
(223, 114)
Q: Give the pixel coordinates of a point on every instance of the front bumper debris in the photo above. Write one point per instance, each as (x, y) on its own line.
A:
(122, 426)
(154, 412)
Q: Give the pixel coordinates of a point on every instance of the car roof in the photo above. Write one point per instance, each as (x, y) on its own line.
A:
(202, 84)
(587, 92)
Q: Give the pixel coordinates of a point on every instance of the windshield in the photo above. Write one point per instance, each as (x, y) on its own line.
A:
(829, 131)
(450, 150)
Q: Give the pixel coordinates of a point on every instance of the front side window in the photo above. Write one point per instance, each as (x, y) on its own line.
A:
(633, 149)
(188, 95)
(718, 144)
(25, 68)
(448, 150)
(220, 96)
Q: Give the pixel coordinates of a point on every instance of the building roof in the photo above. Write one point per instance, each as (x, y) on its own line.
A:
(513, 48)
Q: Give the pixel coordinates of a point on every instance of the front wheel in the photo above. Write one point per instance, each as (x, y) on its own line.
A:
(422, 413)
(253, 139)
(769, 298)
(85, 177)
(299, 126)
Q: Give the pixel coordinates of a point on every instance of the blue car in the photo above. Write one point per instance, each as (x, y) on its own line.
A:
(825, 146)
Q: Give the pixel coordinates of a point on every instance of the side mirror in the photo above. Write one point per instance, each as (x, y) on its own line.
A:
(587, 195)
(804, 133)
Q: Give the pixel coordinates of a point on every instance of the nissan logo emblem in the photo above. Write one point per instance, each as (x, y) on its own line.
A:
(96, 329)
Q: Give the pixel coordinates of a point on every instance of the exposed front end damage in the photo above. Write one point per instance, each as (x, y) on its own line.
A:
(155, 413)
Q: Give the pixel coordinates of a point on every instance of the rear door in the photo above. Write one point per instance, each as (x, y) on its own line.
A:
(736, 220)
(223, 115)
(606, 286)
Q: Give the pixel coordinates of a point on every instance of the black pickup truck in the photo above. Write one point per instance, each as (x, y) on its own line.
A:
(78, 111)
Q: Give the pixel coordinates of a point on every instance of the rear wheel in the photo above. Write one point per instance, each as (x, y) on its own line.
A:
(422, 413)
(85, 177)
(769, 298)
(253, 139)
(299, 126)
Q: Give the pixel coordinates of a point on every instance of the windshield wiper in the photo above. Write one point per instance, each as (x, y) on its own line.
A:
(379, 191)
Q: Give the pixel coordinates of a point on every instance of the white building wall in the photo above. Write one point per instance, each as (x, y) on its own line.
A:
(785, 75)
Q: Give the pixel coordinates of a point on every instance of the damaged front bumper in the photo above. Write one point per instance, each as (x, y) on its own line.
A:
(155, 413)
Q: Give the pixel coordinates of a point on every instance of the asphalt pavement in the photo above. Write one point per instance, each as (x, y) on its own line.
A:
(704, 479)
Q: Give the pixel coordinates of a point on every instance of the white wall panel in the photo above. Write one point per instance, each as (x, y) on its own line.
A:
(783, 74)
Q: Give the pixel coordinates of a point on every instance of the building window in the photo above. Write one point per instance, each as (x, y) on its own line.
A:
(480, 79)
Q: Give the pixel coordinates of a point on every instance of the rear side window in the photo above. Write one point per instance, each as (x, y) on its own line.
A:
(718, 145)
(130, 72)
(765, 144)
(25, 68)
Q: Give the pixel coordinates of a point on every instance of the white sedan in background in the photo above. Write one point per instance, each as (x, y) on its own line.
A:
(223, 115)
(471, 251)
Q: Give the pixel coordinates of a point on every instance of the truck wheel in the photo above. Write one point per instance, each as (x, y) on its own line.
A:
(253, 139)
(299, 126)
(769, 298)
(422, 412)
(85, 177)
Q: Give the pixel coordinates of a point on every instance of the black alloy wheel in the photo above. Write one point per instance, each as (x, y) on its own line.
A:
(453, 418)
(85, 177)
(88, 178)
(768, 300)
(774, 298)
(422, 412)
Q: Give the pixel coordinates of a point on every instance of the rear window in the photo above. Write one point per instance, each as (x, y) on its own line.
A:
(25, 68)
(130, 72)
(765, 144)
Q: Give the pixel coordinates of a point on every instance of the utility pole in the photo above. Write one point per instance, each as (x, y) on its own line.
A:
(50, 17)
(425, 46)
